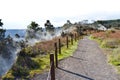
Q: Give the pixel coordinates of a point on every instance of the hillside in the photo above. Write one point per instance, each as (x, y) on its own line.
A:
(110, 23)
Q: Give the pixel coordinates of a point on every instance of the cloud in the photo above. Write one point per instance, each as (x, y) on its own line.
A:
(24, 11)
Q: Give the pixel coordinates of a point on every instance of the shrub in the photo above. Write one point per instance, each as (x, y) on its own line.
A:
(20, 71)
(27, 62)
(115, 57)
(109, 44)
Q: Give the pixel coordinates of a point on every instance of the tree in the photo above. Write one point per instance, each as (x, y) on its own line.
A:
(34, 26)
(49, 26)
(2, 31)
(32, 30)
(17, 35)
(68, 22)
(1, 24)
(67, 25)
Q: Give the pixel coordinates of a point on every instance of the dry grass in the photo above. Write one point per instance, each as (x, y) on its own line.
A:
(110, 42)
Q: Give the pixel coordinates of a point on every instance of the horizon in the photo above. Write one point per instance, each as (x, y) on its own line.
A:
(18, 14)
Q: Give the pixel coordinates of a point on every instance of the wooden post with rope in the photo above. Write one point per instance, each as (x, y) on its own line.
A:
(56, 55)
(52, 70)
(59, 46)
(67, 42)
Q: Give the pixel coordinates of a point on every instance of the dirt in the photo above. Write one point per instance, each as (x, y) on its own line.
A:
(87, 63)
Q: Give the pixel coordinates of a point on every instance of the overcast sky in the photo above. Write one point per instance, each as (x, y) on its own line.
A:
(18, 14)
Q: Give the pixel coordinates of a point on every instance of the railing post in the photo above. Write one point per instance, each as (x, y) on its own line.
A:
(75, 37)
(72, 39)
(59, 46)
(52, 70)
(67, 41)
(56, 56)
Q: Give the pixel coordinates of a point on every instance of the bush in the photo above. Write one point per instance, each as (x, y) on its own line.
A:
(115, 57)
(20, 71)
(109, 44)
(27, 62)
(29, 51)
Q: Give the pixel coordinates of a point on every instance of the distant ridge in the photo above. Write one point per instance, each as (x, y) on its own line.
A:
(110, 23)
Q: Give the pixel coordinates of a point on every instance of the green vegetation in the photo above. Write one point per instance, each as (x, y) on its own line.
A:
(2, 31)
(99, 40)
(67, 25)
(110, 23)
(68, 52)
(33, 29)
(30, 63)
(112, 47)
(49, 26)
(115, 57)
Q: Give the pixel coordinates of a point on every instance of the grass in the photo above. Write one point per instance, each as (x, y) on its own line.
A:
(45, 63)
(67, 52)
(110, 42)
(41, 60)
(114, 58)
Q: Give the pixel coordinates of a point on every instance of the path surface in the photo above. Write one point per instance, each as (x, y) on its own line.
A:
(87, 63)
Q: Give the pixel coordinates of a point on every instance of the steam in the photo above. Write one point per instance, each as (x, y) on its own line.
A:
(8, 57)
(9, 54)
(47, 35)
(43, 36)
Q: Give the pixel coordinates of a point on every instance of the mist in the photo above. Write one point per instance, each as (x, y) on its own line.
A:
(9, 53)
(43, 36)
(8, 56)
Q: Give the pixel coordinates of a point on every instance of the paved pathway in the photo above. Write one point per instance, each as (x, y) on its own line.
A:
(87, 63)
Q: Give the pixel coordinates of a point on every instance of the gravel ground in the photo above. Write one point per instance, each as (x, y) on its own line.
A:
(87, 63)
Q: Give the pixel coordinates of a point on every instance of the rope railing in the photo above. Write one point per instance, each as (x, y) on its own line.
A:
(54, 64)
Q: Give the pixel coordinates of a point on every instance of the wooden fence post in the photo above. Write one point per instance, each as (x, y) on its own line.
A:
(72, 39)
(67, 41)
(59, 46)
(56, 56)
(75, 37)
(52, 70)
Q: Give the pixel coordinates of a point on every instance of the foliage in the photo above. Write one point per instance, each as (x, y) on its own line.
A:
(17, 35)
(67, 24)
(67, 52)
(111, 45)
(32, 30)
(20, 71)
(28, 64)
(79, 30)
(49, 26)
(110, 23)
(33, 25)
(1, 24)
(2, 31)
(115, 57)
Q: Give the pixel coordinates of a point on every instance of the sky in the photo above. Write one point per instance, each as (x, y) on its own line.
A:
(18, 14)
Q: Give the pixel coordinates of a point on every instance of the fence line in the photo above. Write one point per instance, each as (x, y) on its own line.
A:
(51, 74)
(52, 70)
